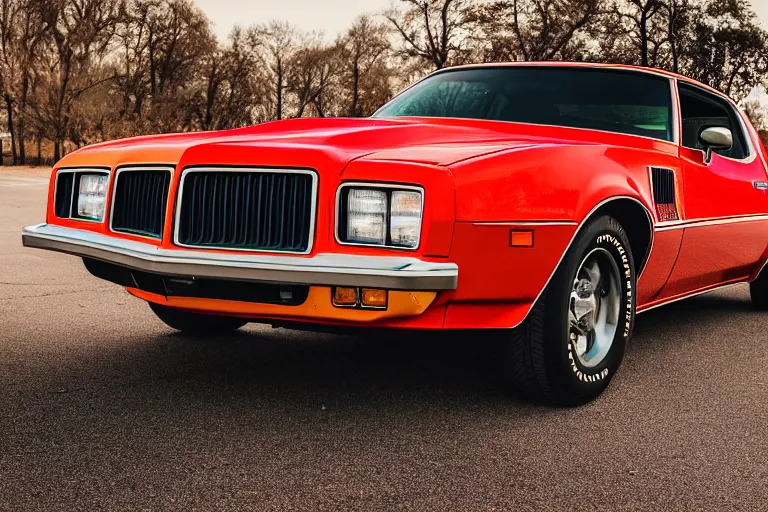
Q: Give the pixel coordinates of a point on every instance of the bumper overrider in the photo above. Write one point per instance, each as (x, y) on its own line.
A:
(412, 284)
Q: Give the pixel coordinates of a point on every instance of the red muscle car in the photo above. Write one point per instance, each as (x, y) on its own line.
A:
(543, 203)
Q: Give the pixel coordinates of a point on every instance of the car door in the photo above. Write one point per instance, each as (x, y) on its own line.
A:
(724, 210)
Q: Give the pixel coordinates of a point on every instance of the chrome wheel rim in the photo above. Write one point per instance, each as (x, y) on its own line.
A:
(593, 310)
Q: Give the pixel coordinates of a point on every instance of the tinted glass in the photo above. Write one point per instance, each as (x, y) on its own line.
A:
(599, 99)
(700, 110)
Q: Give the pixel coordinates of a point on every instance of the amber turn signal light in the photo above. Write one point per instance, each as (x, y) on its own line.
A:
(344, 296)
(520, 238)
(373, 298)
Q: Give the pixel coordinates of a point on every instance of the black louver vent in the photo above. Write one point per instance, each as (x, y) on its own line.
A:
(63, 200)
(140, 202)
(246, 210)
(664, 193)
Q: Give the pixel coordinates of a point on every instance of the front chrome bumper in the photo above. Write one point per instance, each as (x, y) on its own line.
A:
(391, 272)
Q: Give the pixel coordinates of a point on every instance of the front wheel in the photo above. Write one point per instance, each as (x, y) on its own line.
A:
(573, 340)
(195, 323)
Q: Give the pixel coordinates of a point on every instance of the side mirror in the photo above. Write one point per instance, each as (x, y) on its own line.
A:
(715, 138)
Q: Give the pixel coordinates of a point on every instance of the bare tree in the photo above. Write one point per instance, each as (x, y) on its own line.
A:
(81, 31)
(10, 63)
(134, 37)
(166, 48)
(433, 31)
(311, 69)
(31, 36)
(639, 16)
(232, 86)
(728, 50)
(362, 53)
(22, 32)
(275, 43)
(680, 15)
(534, 29)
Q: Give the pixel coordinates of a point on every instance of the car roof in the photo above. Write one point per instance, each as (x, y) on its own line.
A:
(567, 64)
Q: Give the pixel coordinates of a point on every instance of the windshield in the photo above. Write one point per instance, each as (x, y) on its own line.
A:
(601, 99)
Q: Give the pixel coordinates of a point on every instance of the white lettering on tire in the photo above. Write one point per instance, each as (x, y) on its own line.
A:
(622, 252)
(583, 376)
(610, 239)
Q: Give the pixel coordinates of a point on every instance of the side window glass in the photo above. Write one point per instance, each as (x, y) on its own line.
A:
(700, 110)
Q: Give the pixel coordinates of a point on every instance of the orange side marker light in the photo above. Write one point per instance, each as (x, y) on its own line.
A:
(520, 238)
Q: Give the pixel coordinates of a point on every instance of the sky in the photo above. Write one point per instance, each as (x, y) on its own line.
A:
(761, 8)
(330, 16)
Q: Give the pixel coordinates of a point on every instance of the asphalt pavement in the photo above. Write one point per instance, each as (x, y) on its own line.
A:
(102, 407)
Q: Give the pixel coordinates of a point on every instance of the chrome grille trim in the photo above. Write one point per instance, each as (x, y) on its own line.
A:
(115, 181)
(272, 170)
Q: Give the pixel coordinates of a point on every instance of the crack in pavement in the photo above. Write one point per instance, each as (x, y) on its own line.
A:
(54, 294)
(8, 283)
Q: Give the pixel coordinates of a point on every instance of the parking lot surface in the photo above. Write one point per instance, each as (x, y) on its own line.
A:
(103, 407)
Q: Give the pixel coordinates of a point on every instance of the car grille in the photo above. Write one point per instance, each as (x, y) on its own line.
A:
(139, 202)
(250, 209)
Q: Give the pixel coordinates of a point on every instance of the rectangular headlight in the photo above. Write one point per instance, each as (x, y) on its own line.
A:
(405, 218)
(386, 216)
(366, 216)
(92, 196)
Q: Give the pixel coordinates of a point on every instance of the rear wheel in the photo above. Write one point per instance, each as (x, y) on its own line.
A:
(758, 290)
(195, 323)
(573, 341)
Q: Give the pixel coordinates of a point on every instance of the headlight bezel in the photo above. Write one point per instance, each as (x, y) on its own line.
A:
(72, 191)
(342, 194)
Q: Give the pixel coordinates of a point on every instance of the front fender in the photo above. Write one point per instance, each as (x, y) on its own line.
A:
(550, 190)
(552, 182)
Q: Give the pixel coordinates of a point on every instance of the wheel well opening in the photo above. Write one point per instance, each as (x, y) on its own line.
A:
(635, 220)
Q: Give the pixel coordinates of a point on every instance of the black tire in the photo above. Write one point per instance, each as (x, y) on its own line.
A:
(758, 290)
(541, 361)
(198, 324)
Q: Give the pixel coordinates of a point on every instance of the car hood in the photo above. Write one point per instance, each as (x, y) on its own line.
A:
(433, 141)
